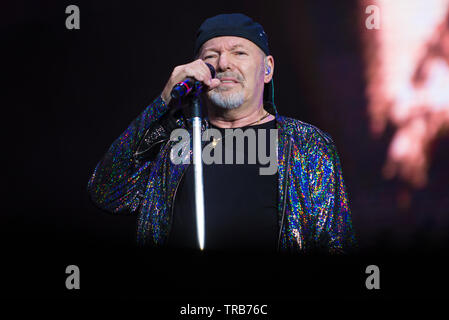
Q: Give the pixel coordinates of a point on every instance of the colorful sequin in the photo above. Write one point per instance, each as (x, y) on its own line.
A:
(313, 210)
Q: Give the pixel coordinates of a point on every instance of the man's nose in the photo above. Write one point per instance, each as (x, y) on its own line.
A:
(223, 63)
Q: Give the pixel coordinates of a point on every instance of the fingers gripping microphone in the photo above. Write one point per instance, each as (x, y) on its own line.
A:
(183, 88)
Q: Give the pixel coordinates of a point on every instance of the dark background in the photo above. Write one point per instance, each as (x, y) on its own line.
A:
(70, 93)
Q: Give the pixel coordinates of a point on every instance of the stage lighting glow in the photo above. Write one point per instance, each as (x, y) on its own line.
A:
(407, 73)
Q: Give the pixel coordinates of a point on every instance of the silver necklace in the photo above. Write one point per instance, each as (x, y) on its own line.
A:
(215, 141)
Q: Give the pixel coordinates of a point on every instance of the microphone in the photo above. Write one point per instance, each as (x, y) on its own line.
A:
(183, 88)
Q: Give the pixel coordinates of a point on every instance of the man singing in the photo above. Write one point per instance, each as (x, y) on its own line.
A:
(301, 206)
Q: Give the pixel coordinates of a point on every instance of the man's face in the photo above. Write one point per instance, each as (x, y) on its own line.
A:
(239, 64)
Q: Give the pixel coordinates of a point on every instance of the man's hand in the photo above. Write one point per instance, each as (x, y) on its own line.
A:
(197, 70)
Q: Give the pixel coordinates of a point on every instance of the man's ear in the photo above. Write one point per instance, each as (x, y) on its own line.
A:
(269, 68)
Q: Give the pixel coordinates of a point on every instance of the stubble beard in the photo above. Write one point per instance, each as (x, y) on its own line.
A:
(221, 97)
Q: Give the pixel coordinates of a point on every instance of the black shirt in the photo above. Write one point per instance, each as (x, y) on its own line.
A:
(240, 203)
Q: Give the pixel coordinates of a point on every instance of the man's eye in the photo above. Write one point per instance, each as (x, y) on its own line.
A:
(240, 52)
(208, 57)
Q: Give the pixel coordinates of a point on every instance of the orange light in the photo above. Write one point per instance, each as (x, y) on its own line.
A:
(407, 73)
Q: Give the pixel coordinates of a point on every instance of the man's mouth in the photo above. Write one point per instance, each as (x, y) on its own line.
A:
(229, 81)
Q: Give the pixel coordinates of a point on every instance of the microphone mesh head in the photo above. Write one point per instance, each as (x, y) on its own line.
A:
(212, 69)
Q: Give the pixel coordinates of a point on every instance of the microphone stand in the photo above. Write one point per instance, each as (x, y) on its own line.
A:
(181, 89)
(198, 165)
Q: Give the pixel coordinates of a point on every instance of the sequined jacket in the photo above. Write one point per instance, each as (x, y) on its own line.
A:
(313, 210)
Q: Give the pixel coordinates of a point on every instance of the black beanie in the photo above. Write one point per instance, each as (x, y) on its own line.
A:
(234, 24)
(238, 25)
